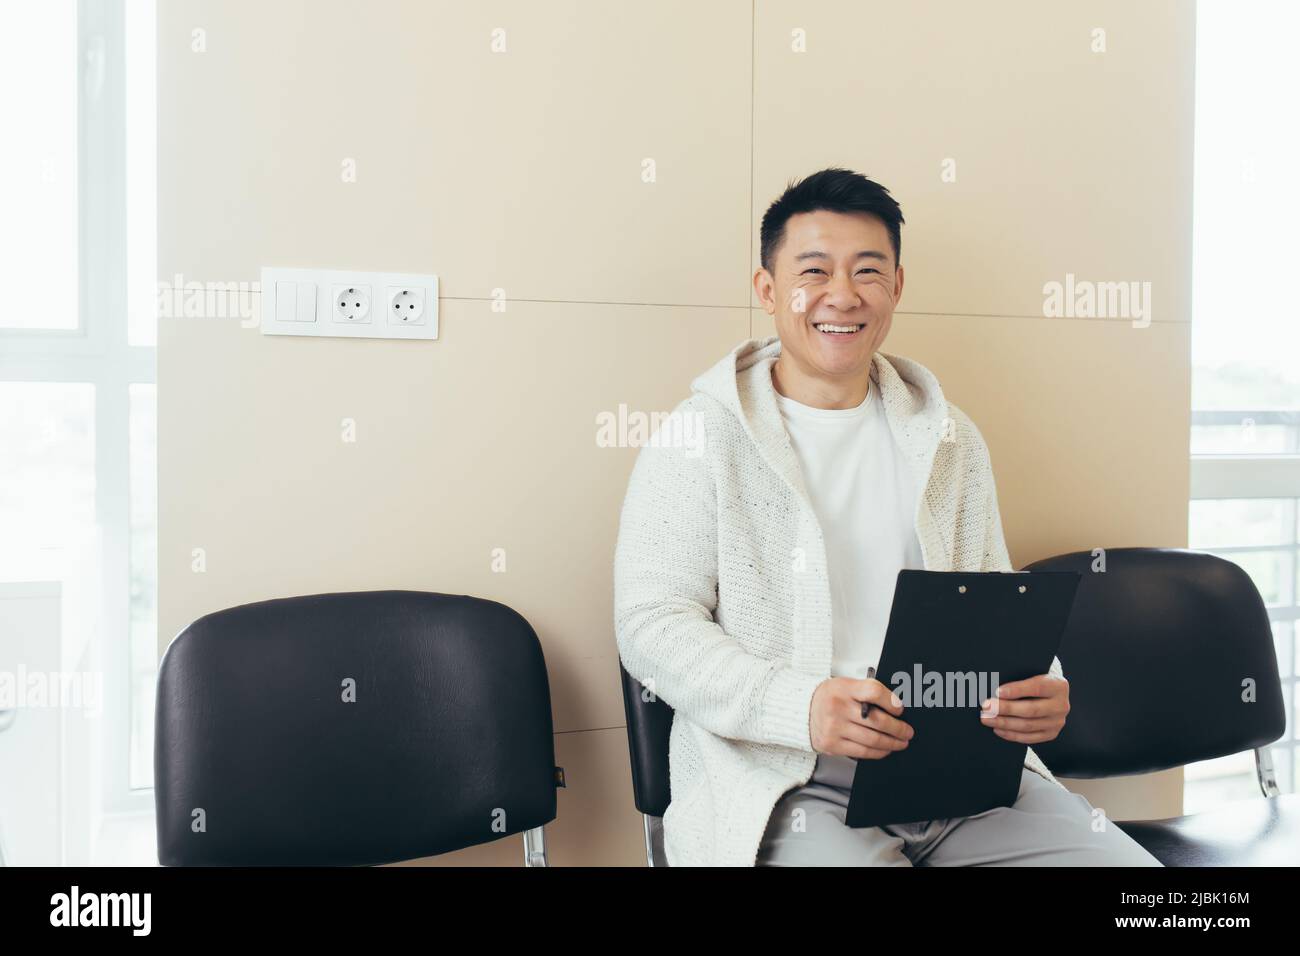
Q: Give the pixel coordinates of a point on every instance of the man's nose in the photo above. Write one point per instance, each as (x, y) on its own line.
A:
(841, 294)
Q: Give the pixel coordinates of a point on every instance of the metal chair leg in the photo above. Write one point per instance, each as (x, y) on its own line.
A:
(1265, 772)
(535, 847)
(649, 841)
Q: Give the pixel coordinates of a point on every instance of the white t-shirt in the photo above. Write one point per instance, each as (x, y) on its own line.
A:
(865, 501)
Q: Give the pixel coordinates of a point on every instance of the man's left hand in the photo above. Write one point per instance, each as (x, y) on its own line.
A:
(1028, 711)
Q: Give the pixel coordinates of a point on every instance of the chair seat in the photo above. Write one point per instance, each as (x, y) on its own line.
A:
(1260, 832)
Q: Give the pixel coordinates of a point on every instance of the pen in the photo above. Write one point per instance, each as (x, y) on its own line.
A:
(866, 705)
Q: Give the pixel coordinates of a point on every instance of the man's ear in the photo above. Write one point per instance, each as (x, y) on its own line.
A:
(898, 285)
(765, 289)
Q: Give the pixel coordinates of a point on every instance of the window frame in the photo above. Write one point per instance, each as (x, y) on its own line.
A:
(1219, 477)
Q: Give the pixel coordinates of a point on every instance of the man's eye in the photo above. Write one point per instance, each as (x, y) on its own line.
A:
(806, 271)
(877, 271)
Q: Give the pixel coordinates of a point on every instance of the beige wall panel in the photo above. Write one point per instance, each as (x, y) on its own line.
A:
(483, 439)
(1087, 423)
(1067, 161)
(1148, 796)
(519, 170)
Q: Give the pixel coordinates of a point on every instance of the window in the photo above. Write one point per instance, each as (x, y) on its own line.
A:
(38, 186)
(1245, 441)
(77, 358)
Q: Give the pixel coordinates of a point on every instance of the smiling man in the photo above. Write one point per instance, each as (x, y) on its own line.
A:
(753, 582)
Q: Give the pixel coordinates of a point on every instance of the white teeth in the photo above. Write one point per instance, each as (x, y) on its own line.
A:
(824, 327)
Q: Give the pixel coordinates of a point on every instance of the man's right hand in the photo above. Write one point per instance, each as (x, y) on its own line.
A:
(836, 725)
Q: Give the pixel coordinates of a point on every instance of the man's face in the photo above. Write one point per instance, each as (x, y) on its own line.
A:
(832, 271)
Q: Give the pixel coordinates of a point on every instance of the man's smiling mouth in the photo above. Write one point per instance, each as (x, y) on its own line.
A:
(834, 328)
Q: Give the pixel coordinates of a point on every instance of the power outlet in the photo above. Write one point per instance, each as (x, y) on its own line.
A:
(351, 304)
(405, 305)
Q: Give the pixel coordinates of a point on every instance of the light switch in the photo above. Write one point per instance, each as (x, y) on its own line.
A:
(306, 302)
(286, 301)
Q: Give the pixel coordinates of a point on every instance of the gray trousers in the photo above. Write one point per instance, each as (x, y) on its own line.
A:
(1047, 826)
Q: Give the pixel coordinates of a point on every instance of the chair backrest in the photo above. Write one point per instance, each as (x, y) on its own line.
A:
(649, 723)
(351, 729)
(1170, 658)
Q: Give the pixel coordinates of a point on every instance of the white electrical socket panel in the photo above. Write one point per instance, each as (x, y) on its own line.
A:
(346, 304)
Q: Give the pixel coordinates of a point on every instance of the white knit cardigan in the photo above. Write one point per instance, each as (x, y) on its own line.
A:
(722, 603)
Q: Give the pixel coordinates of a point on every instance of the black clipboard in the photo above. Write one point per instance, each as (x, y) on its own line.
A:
(958, 623)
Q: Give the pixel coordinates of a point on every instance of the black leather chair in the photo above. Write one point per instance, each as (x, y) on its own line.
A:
(1156, 650)
(352, 729)
(1160, 650)
(649, 722)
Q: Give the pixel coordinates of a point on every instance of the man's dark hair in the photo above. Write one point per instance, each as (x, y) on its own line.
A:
(835, 190)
